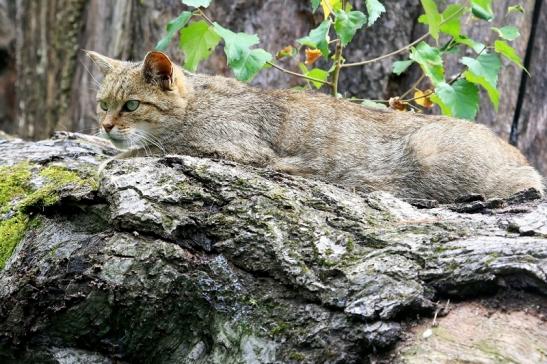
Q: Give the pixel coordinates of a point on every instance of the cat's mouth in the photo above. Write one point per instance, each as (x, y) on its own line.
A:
(121, 140)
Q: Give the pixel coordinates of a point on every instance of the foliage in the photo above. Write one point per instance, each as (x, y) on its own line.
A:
(341, 21)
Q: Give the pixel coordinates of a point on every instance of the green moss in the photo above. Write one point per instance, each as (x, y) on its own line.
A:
(11, 233)
(56, 179)
(350, 245)
(490, 348)
(491, 258)
(297, 356)
(14, 183)
(279, 328)
(17, 196)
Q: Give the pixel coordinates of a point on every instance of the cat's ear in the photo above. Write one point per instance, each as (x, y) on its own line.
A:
(105, 64)
(158, 69)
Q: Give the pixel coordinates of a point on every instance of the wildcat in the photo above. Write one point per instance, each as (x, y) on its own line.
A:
(154, 107)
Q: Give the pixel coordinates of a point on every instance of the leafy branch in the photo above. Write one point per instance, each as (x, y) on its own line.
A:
(458, 96)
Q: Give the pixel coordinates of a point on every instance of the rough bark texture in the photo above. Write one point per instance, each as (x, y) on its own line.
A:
(187, 260)
(55, 82)
(530, 125)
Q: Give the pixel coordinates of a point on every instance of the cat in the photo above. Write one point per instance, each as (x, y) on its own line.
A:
(153, 107)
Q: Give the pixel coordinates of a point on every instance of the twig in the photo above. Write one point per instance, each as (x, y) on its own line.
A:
(435, 323)
(345, 65)
(202, 14)
(419, 97)
(400, 49)
(210, 21)
(361, 100)
(338, 64)
(420, 79)
(298, 74)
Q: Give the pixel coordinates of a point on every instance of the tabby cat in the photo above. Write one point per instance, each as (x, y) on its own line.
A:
(154, 107)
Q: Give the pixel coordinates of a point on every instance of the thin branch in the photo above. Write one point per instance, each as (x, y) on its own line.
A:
(298, 74)
(419, 97)
(210, 21)
(337, 67)
(361, 100)
(420, 79)
(345, 65)
(400, 50)
(202, 14)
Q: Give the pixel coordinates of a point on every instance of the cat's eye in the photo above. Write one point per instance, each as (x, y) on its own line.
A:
(103, 105)
(131, 105)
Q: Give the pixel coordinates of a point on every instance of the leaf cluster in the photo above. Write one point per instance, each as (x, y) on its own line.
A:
(457, 96)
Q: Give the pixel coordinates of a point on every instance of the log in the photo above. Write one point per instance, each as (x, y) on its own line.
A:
(188, 260)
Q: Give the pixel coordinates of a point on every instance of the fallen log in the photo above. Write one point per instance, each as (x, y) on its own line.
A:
(186, 260)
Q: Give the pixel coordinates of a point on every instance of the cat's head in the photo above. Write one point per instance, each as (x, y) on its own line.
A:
(136, 101)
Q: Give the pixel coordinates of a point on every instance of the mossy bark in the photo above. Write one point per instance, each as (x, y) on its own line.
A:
(187, 260)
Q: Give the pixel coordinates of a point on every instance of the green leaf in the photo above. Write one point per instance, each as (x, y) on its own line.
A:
(430, 61)
(515, 9)
(433, 18)
(197, 41)
(197, 3)
(476, 46)
(172, 28)
(315, 5)
(482, 9)
(501, 47)
(374, 10)
(484, 71)
(508, 32)
(461, 99)
(373, 105)
(493, 93)
(244, 61)
(347, 24)
(401, 66)
(451, 20)
(486, 65)
(318, 38)
(319, 74)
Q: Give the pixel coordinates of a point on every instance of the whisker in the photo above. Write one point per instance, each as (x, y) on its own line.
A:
(90, 74)
(152, 140)
(144, 140)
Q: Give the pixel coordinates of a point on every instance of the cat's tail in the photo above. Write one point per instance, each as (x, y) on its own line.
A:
(509, 180)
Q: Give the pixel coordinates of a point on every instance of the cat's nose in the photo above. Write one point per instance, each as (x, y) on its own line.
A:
(108, 126)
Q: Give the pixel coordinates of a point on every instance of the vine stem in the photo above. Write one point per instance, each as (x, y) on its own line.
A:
(420, 79)
(400, 50)
(210, 21)
(298, 74)
(337, 67)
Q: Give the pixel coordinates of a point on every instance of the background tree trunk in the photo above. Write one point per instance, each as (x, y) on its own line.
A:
(54, 84)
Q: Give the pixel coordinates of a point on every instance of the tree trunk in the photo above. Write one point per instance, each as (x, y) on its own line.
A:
(188, 260)
(529, 130)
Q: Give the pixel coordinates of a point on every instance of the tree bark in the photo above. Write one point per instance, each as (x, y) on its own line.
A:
(530, 125)
(181, 259)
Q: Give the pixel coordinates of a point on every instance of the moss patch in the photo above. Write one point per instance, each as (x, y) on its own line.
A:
(11, 233)
(14, 182)
(18, 195)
